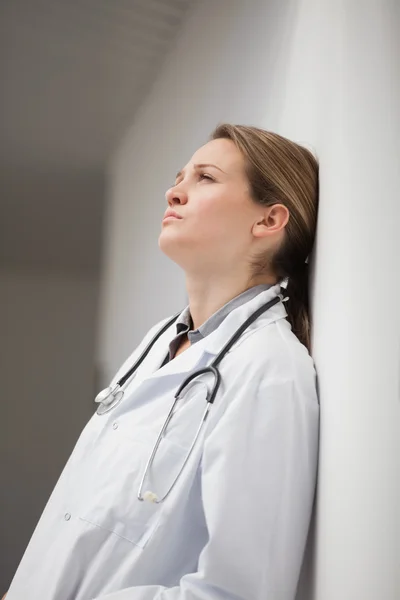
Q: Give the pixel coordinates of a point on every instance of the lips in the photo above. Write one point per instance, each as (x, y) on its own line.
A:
(171, 214)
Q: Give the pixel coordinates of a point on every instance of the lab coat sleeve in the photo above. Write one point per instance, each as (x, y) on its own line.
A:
(258, 478)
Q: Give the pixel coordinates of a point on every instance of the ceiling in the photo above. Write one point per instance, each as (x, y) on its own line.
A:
(72, 72)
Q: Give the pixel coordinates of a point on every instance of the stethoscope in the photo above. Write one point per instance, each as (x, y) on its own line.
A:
(111, 396)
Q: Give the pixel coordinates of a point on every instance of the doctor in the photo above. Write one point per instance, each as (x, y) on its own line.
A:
(231, 522)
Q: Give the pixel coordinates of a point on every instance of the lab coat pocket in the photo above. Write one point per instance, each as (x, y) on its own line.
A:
(112, 496)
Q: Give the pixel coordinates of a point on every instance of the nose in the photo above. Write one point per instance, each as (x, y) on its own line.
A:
(175, 196)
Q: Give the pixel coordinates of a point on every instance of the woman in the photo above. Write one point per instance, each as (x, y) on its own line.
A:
(241, 218)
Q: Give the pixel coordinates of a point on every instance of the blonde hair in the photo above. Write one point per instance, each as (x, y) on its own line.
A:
(283, 172)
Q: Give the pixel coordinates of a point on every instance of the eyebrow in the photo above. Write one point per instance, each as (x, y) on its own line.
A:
(199, 166)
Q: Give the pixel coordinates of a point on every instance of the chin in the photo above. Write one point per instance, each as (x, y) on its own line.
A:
(176, 248)
(170, 245)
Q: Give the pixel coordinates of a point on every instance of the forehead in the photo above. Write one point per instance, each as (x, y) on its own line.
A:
(222, 153)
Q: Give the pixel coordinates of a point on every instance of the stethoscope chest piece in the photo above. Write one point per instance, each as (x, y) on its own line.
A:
(108, 399)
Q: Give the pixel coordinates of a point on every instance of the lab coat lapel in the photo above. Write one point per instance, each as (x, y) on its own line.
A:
(150, 377)
(218, 339)
(183, 363)
(204, 350)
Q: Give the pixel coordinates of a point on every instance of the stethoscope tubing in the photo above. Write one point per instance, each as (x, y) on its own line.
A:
(212, 369)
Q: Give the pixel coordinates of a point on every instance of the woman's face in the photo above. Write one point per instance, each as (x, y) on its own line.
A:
(211, 196)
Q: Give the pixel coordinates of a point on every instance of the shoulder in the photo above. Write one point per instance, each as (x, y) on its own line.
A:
(269, 377)
(271, 356)
(274, 344)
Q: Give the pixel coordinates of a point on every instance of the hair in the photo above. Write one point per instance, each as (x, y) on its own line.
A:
(282, 172)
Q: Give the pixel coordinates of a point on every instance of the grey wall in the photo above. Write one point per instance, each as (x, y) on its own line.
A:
(51, 219)
(50, 248)
(47, 334)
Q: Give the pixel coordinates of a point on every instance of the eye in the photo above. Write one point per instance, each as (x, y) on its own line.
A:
(206, 176)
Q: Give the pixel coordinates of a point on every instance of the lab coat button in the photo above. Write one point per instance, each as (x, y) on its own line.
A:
(67, 516)
(115, 425)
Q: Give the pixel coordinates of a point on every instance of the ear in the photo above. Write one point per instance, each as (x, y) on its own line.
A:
(273, 220)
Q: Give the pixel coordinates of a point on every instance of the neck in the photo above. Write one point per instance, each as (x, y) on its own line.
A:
(208, 294)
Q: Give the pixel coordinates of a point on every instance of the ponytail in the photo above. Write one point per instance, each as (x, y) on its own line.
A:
(297, 305)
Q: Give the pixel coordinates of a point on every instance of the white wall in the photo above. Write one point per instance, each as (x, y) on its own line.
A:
(325, 73)
(211, 75)
(47, 333)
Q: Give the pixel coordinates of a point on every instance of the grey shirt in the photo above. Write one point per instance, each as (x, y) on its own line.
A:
(184, 324)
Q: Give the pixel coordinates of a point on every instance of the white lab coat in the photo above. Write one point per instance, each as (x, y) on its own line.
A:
(235, 525)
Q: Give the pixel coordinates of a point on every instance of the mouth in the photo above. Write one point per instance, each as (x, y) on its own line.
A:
(171, 216)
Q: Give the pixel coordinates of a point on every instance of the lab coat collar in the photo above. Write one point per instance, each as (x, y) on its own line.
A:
(195, 356)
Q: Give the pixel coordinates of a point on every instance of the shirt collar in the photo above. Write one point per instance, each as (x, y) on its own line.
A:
(184, 323)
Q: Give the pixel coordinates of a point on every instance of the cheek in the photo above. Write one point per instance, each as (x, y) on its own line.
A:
(216, 211)
(210, 226)
(223, 221)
